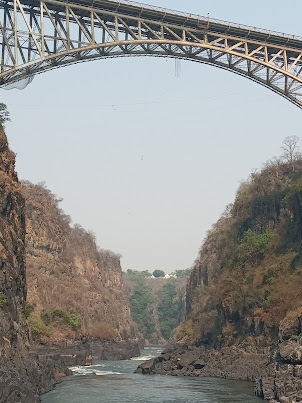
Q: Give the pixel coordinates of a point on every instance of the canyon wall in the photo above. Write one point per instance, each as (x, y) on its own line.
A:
(244, 294)
(66, 271)
(14, 331)
(23, 377)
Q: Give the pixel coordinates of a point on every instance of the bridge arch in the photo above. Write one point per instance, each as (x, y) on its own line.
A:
(37, 36)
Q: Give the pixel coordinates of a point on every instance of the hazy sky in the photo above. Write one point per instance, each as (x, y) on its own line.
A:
(145, 160)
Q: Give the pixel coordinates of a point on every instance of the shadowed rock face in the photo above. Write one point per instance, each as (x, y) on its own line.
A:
(277, 372)
(14, 338)
(23, 377)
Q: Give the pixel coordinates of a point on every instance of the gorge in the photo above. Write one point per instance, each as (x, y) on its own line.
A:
(64, 301)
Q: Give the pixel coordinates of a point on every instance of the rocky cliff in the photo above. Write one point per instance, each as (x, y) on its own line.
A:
(23, 377)
(244, 294)
(14, 330)
(73, 287)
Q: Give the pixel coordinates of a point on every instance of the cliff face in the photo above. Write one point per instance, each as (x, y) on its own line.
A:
(13, 326)
(23, 377)
(245, 290)
(244, 294)
(248, 277)
(67, 272)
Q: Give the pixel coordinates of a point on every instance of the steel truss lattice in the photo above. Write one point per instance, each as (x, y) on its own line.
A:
(37, 36)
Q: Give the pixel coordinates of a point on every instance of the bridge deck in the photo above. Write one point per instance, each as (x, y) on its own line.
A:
(182, 19)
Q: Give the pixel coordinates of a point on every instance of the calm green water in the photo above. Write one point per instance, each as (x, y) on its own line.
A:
(114, 381)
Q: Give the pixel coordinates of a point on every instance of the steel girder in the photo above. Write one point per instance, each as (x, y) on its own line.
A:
(37, 36)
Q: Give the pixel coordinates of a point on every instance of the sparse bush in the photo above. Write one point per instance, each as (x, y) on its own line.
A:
(73, 321)
(46, 317)
(29, 309)
(3, 299)
(37, 327)
(126, 334)
(59, 317)
(186, 329)
(253, 246)
(103, 331)
(58, 313)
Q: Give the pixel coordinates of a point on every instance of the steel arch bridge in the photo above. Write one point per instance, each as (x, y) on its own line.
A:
(40, 35)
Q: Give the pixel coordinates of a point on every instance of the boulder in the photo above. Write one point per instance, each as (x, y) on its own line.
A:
(186, 359)
(147, 367)
(199, 364)
(291, 352)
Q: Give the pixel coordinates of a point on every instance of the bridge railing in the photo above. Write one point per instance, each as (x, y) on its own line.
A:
(206, 20)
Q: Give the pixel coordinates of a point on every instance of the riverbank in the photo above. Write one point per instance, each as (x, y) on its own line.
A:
(23, 380)
(82, 352)
(115, 381)
(277, 374)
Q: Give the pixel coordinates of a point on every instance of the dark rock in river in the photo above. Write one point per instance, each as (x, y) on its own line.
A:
(114, 351)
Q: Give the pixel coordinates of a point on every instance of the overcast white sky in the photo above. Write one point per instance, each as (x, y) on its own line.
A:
(84, 129)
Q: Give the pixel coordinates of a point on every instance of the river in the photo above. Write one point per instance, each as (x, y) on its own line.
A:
(114, 381)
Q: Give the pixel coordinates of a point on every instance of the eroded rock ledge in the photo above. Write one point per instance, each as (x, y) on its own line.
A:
(276, 369)
(278, 377)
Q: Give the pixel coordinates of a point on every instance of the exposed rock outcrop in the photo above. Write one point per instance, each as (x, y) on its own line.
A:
(23, 377)
(191, 360)
(14, 330)
(67, 271)
(115, 351)
(284, 381)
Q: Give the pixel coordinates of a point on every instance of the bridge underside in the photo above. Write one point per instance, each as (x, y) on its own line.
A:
(37, 36)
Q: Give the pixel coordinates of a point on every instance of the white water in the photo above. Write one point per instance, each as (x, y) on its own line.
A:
(115, 382)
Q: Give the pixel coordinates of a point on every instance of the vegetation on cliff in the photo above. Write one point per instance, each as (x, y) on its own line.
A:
(248, 276)
(157, 304)
(23, 377)
(13, 326)
(73, 286)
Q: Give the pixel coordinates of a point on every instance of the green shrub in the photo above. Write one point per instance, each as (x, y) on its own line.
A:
(126, 334)
(186, 329)
(3, 299)
(46, 317)
(253, 246)
(73, 321)
(36, 326)
(29, 308)
(59, 314)
(219, 338)
(59, 317)
(253, 299)
(296, 337)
